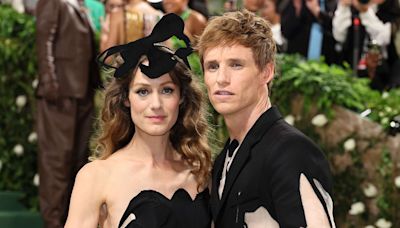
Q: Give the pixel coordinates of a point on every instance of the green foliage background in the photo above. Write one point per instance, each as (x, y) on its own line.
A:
(17, 74)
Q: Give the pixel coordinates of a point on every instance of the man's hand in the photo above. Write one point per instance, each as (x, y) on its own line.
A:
(51, 91)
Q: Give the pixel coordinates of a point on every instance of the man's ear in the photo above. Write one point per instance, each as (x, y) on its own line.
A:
(267, 73)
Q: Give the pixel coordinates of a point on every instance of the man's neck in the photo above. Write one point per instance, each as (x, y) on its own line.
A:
(240, 123)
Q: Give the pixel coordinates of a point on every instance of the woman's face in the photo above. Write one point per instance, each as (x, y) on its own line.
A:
(154, 104)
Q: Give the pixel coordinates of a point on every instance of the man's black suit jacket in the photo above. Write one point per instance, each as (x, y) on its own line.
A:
(265, 172)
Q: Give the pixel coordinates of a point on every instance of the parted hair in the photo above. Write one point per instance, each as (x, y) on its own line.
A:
(240, 27)
(188, 136)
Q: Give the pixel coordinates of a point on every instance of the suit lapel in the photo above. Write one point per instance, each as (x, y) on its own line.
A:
(262, 125)
(216, 177)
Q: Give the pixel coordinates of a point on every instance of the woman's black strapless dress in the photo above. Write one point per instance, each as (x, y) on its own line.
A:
(151, 209)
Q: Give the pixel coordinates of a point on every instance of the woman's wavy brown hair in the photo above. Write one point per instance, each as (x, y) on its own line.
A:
(188, 136)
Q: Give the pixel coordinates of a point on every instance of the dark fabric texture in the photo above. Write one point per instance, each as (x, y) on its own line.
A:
(151, 209)
(266, 172)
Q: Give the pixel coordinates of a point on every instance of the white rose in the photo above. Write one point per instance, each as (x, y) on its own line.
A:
(18, 150)
(290, 119)
(349, 144)
(32, 137)
(35, 83)
(370, 190)
(397, 181)
(357, 208)
(21, 101)
(369, 226)
(383, 223)
(36, 180)
(319, 120)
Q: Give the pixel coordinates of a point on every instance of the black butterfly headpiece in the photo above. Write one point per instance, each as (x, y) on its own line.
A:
(161, 59)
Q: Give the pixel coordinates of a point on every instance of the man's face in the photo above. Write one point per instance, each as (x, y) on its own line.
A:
(234, 82)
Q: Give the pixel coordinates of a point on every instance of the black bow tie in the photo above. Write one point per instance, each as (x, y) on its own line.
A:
(232, 147)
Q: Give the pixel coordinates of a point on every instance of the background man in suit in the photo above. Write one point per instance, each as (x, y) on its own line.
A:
(275, 177)
(67, 76)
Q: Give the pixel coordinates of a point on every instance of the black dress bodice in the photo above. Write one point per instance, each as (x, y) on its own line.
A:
(151, 209)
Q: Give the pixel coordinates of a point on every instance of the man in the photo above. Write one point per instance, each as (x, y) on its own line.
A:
(275, 177)
(67, 77)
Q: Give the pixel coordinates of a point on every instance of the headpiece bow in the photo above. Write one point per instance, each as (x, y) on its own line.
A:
(160, 60)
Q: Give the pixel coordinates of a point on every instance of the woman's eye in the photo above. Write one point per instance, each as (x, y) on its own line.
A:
(142, 92)
(167, 90)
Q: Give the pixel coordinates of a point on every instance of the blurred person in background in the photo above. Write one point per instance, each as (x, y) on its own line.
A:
(307, 26)
(269, 11)
(365, 30)
(253, 5)
(194, 21)
(96, 12)
(133, 21)
(68, 76)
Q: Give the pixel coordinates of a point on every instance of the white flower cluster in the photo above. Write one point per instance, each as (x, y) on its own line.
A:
(32, 137)
(290, 119)
(370, 190)
(319, 120)
(349, 144)
(397, 181)
(357, 208)
(18, 150)
(35, 83)
(20, 101)
(36, 180)
(383, 223)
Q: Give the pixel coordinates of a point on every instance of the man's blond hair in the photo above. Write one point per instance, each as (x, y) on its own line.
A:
(240, 27)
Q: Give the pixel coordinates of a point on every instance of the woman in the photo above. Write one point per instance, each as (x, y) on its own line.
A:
(154, 160)
(129, 23)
